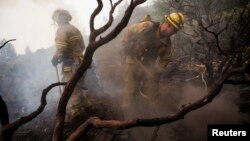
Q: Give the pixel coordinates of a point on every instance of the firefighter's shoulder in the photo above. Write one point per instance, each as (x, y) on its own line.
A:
(140, 27)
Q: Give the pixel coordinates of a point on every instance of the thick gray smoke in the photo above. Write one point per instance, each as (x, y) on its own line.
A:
(30, 21)
(24, 78)
(28, 74)
(175, 92)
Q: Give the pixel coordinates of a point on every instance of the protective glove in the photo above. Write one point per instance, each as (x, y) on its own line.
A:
(54, 61)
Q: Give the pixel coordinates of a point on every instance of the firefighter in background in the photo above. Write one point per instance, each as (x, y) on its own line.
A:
(147, 48)
(69, 49)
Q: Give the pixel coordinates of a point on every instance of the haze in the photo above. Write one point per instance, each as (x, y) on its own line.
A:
(30, 21)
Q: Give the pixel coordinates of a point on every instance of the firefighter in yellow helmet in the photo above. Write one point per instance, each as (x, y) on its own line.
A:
(147, 48)
(69, 51)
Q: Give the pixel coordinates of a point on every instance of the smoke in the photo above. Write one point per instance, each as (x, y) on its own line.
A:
(173, 95)
(222, 110)
(24, 21)
(24, 79)
(28, 74)
(31, 24)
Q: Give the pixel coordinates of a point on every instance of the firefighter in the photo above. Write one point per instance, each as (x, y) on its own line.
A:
(69, 51)
(147, 48)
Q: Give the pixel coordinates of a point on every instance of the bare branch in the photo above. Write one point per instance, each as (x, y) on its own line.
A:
(87, 59)
(98, 9)
(123, 23)
(121, 125)
(7, 43)
(216, 36)
(111, 18)
(11, 128)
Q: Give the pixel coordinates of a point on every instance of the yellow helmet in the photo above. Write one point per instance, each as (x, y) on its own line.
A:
(176, 19)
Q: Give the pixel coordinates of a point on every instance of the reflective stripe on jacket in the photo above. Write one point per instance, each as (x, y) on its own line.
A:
(69, 42)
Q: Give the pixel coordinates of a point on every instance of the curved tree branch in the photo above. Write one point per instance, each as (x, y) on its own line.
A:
(87, 59)
(216, 36)
(111, 18)
(9, 129)
(7, 43)
(119, 27)
(98, 9)
(120, 125)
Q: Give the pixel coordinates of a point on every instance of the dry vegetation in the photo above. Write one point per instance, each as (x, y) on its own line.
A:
(216, 53)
